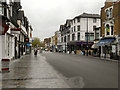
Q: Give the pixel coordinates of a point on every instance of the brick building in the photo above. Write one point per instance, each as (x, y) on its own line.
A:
(110, 30)
(47, 43)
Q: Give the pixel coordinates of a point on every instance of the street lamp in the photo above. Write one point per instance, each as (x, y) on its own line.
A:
(87, 36)
(65, 44)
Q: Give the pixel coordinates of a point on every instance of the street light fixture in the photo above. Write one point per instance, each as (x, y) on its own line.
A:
(87, 36)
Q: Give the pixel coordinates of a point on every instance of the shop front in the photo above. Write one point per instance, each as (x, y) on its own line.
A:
(80, 47)
(108, 48)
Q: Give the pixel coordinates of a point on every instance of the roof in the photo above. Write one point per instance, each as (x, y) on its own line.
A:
(86, 15)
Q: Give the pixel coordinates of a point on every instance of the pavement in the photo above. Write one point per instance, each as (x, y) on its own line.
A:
(84, 72)
(32, 72)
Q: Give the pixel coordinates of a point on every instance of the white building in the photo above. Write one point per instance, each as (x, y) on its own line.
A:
(75, 32)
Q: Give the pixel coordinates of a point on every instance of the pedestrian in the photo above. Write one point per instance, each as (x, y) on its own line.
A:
(35, 52)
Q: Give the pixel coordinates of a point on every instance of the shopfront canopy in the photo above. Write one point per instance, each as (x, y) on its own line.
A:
(104, 42)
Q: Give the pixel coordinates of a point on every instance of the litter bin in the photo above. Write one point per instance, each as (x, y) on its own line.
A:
(5, 65)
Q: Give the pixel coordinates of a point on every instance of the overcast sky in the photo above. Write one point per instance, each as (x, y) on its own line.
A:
(46, 16)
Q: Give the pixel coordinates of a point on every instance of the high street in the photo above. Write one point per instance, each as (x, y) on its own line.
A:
(84, 72)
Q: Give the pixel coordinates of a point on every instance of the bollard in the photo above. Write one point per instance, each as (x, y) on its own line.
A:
(5, 65)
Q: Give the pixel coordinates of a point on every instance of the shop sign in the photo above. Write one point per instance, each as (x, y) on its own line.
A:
(15, 31)
(113, 48)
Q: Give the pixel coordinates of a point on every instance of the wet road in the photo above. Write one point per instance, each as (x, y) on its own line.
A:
(85, 72)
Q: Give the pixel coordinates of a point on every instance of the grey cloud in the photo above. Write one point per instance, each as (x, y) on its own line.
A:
(46, 15)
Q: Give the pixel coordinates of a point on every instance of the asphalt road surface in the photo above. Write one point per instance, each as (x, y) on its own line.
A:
(84, 72)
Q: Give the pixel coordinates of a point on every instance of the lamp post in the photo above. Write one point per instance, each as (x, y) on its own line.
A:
(65, 44)
(87, 36)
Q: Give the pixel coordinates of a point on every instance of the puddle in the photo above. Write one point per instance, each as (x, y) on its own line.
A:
(75, 82)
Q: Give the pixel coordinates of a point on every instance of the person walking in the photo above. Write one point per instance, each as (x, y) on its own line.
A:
(35, 52)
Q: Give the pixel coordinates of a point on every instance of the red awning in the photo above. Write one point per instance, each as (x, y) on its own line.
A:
(15, 29)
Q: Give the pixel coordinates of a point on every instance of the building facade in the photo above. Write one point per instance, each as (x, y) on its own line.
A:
(13, 30)
(78, 33)
(110, 30)
(47, 43)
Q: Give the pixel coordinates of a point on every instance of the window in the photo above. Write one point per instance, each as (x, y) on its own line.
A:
(62, 39)
(74, 20)
(65, 39)
(78, 27)
(1, 12)
(68, 37)
(111, 10)
(107, 29)
(94, 27)
(107, 13)
(73, 37)
(94, 20)
(78, 19)
(78, 36)
(74, 28)
(97, 36)
(112, 30)
(91, 38)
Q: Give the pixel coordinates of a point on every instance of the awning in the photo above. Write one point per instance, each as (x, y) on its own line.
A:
(94, 46)
(104, 42)
(15, 30)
